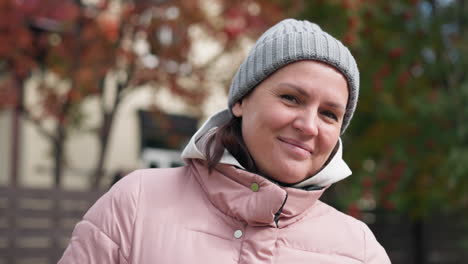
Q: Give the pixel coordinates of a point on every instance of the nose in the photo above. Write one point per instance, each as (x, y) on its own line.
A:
(307, 122)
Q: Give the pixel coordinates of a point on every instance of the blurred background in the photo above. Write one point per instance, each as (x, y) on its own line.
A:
(93, 89)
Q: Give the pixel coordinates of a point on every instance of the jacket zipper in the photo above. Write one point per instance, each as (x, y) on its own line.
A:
(277, 214)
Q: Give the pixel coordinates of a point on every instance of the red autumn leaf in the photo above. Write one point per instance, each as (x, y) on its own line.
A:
(22, 65)
(398, 171)
(109, 26)
(235, 23)
(367, 182)
(377, 84)
(396, 52)
(354, 211)
(74, 95)
(84, 75)
(353, 23)
(103, 4)
(8, 94)
(349, 39)
(382, 175)
(23, 39)
(29, 7)
(404, 77)
(5, 46)
(433, 96)
(65, 11)
(60, 10)
(389, 205)
(350, 4)
(408, 15)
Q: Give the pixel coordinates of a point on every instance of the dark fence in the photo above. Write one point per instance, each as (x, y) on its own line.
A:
(439, 239)
(35, 224)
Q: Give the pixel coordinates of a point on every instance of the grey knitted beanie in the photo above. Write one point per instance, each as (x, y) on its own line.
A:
(289, 41)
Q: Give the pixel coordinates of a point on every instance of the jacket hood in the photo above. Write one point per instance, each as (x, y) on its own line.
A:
(334, 171)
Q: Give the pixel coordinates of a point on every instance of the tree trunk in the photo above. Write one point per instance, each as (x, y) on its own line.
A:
(104, 136)
(16, 134)
(59, 152)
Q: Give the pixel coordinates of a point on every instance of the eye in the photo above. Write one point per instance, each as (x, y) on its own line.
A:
(290, 98)
(330, 115)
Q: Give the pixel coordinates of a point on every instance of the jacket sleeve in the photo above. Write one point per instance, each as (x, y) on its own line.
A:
(374, 252)
(105, 233)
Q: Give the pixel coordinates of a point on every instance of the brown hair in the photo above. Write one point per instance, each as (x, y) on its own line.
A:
(229, 136)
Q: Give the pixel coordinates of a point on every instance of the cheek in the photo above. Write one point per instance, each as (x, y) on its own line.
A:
(267, 121)
(259, 130)
(278, 118)
(329, 137)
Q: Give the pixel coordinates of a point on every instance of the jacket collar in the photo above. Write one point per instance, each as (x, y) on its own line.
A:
(230, 190)
(334, 171)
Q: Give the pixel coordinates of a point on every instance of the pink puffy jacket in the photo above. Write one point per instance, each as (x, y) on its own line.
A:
(185, 215)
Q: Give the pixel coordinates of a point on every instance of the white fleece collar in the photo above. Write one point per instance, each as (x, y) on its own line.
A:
(334, 171)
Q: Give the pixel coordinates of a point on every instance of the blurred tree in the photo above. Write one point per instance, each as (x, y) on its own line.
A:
(77, 50)
(407, 144)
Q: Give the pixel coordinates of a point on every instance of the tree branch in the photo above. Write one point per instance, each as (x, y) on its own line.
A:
(37, 123)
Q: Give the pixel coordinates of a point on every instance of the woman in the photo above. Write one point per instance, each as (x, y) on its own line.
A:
(255, 172)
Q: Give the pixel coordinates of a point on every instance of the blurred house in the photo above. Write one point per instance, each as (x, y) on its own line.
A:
(162, 136)
(135, 142)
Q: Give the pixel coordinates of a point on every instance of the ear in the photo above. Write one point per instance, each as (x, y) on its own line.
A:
(237, 109)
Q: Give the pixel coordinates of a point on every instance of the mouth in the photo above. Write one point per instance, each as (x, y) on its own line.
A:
(296, 144)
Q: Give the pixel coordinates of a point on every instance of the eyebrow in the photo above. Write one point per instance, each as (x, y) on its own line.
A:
(304, 93)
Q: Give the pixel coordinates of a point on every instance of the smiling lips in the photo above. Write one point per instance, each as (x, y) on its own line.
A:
(296, 144)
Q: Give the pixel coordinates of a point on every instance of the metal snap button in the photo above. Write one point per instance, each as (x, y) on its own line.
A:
(254, 187)
(238, 233)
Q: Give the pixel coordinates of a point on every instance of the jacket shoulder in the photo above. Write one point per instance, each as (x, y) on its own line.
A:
(357, 232)
(122, 201)
(333, 213)
(163, 180)
(149, 175)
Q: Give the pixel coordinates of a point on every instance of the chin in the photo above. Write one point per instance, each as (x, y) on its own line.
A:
(292, 177)
(288, 171)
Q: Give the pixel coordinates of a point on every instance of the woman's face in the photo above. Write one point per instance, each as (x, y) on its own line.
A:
(291, 121)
